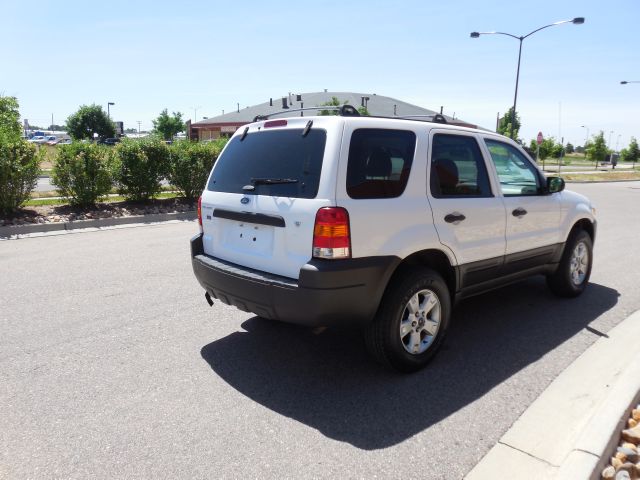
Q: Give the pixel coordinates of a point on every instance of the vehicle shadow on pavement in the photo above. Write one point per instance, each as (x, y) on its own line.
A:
(328, 382)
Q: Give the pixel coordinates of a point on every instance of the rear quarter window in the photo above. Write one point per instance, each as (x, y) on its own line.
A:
(276, 154)
(379, 162)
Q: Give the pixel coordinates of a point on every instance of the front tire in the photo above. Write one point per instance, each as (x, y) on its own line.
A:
(574, 269)
(411, 322)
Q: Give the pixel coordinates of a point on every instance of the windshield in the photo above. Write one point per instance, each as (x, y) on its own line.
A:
(279, 163)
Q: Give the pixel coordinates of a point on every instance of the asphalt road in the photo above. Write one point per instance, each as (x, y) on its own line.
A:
(112, 365)
(44, 185)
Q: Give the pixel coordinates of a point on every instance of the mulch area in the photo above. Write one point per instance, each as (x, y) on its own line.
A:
(68, 213)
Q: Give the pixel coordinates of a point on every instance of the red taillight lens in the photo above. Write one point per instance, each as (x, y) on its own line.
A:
(200, 212)
(331, 236)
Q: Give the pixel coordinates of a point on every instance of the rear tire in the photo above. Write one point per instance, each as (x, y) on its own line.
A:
(411, 322)
(574, 269)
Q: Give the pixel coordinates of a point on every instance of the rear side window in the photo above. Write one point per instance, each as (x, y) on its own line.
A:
(379, 162)
(458, 168)
(264, 158)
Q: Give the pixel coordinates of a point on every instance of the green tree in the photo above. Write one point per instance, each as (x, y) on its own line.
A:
(633, 153)
(88, 121)
(334, 102)
(557, 150)
(597, 149)
(504, 126)
(569, 148)
(10, 127)
(547, 147)
(168, 125)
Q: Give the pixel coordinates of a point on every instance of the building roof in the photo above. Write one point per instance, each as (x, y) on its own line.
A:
(377, 105)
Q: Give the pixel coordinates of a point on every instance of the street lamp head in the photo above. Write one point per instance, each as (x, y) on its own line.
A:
(624, 82)
(578, 20)
(110, 103)
(474, 34)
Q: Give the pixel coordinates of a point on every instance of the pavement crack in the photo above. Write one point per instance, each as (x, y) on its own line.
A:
(529, 454)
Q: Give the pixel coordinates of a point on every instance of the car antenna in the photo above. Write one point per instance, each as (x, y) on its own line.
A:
(305, 132)
(244, 134)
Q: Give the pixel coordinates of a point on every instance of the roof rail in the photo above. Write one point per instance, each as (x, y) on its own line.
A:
(343, 111)
(435, 118)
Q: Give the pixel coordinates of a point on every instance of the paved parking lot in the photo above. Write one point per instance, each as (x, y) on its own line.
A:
(113, 365)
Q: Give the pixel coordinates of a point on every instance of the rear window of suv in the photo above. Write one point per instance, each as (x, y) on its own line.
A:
(271, 155)
(379, 162)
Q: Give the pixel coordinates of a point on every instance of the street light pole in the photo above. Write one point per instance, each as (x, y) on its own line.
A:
(609, 146)
(576, 21)
(108, 111)
(586, 140)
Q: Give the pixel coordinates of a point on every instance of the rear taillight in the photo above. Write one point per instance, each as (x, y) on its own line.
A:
(200, 213)
(331, 237)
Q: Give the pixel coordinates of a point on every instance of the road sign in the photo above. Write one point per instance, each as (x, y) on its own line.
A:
(540, 138)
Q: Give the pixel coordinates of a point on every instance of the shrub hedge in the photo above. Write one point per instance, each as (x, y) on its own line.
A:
(190, 164)
(19, 167)
(139, 167)
(82, 172)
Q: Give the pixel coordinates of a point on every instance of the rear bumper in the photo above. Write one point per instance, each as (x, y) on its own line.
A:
(326, 293)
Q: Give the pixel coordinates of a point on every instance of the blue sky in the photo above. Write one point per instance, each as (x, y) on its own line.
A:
(146, 56)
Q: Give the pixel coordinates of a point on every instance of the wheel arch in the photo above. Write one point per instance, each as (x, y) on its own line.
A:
(432, 258)
(583, 224)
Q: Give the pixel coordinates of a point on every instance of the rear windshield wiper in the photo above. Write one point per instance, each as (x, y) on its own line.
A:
(268, 181)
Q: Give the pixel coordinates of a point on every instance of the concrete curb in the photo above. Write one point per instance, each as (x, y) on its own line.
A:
(569, 431)
(18, 231)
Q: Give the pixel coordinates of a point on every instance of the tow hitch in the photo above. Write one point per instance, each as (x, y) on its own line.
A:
(208, 297)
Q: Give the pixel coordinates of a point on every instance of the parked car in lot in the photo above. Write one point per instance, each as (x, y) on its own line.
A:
(109, 141)
(383, 223)
(38, 139)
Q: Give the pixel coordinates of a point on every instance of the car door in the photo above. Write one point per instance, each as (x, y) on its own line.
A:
(468, 216)
(533, 215)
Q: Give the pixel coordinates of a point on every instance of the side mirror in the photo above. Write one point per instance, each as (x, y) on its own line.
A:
(555, 184)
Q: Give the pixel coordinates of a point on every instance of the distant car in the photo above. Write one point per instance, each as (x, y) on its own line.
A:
(65, 141)
(109, 141)
(51, 140)
(39, 139)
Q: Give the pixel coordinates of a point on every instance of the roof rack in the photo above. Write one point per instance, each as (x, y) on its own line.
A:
(435, 118)
(350, 111)
(343, 111)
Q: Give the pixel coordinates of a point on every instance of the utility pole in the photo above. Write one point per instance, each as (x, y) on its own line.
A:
(139, 122)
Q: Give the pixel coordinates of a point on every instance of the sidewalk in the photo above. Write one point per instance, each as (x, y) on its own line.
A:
(571, 430)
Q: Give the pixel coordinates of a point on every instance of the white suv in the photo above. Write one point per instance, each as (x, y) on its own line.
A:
(383, 223)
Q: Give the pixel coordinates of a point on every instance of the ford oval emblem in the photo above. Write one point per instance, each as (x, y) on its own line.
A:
(244, 200)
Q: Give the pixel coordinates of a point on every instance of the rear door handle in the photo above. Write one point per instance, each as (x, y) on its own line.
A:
(455, 218)
(519, 212)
